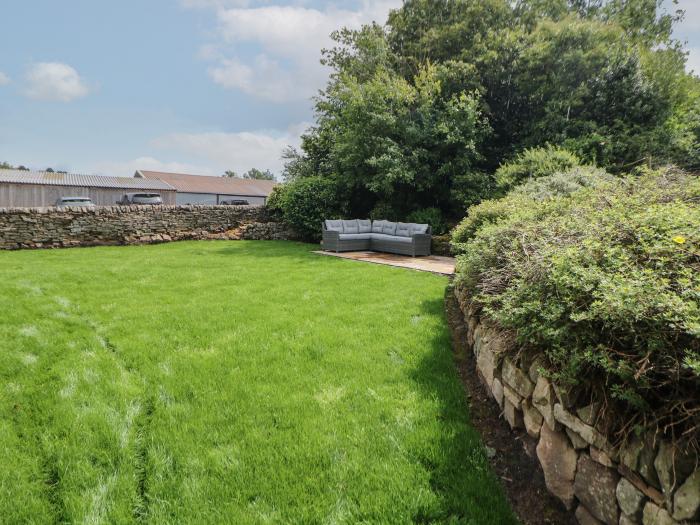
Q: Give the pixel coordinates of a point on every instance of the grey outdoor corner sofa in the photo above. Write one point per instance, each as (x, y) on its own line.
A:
(403, 238)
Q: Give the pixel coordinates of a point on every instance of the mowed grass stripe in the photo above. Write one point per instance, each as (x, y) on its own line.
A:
(231, 382)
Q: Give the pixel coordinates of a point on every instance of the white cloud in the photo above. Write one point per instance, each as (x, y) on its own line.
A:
(54, 81)
(4, 79)
(289, 39)
(129, 167)
(234, 151)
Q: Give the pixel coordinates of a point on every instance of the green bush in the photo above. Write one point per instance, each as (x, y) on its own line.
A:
(534, 163)
(605, 283)
(431, 216)
(519, 200)
(305, 203)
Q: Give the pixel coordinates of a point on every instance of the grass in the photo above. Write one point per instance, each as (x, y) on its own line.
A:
(231, 382)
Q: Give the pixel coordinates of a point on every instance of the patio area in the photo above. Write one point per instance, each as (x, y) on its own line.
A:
(431, 263)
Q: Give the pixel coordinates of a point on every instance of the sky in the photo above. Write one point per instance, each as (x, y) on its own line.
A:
(195, 86)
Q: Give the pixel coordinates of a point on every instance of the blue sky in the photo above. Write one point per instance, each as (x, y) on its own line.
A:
(200, 86)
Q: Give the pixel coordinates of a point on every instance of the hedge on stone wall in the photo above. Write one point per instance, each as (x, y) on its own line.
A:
(604, 283)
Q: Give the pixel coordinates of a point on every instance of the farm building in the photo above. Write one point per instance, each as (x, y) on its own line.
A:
(200, 189)
(27, 189)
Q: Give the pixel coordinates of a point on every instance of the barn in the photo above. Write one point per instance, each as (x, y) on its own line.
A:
(27, 189)
(202, 189)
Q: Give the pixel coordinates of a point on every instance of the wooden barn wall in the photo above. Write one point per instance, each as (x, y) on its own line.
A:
(38, 195)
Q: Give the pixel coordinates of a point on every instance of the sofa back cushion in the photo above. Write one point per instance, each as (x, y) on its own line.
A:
(403, 229)
(351, 226)
(365, 225)
(389, 228)
(334, 225)
(419, 228)
(377, 226)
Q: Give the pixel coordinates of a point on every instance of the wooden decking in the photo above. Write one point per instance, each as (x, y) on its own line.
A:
(431, 263)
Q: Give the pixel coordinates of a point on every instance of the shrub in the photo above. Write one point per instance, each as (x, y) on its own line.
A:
(431, 216)
(305, 202)
(534, 163)
(519, 200)
(605, 283)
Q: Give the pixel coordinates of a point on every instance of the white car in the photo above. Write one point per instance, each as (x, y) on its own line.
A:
(77, 202)
(140, 198)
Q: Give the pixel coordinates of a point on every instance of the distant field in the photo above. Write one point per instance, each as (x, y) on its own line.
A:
(231, 382)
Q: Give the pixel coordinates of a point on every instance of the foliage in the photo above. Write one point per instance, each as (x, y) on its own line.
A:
(534, 163)
(605, 282)
(257, 174)
(257, 376)
(305, 203)
(431, 216)
(230, 174)
(519, 200)
(420, 112)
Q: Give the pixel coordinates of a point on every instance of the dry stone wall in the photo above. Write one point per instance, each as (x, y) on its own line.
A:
(645, 482)
(57, 228)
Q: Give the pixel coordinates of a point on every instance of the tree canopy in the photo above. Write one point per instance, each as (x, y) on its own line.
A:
(420, 112)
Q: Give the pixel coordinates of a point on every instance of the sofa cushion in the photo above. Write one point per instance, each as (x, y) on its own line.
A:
(351, 226)
(354, 236)
(391, 238)
(334, 225)
(365, 225)
(419, 228)
(403, 229)
(389, 228)
(377, 226)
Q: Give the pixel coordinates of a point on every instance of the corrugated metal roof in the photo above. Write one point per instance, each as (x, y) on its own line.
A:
(72, 179)
(213, 185)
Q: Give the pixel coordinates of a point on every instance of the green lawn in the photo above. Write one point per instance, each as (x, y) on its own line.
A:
(231, 382)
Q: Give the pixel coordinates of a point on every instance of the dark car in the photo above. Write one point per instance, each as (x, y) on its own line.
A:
(235, 202)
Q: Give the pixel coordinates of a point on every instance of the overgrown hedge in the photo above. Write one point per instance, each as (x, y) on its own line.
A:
(602, 277)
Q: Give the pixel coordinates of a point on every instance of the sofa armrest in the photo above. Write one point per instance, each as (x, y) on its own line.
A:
(421, 237)
(421, 243)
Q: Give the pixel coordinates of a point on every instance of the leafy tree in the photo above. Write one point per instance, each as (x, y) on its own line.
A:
(420, 112)
(230, 174)
(6, 166)
(305, 203)
(257, 174)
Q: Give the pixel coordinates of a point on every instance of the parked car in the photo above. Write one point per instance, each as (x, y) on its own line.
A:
(83, 202)
(140, 198)
(235, 202)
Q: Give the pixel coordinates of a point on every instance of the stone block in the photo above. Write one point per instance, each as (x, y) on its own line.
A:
(577, 441)
(600, 457)
(638, 455)
(686, 502)
(586, 518)
(543, 401)
(558, 460)
(626, 520)
(497, 391)
(532, 419)
(512, 396)
(630, 499)
(516, 378)
(587, 432)
(595, 487)
(655, 515)
(512, 415)
(672, 466)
